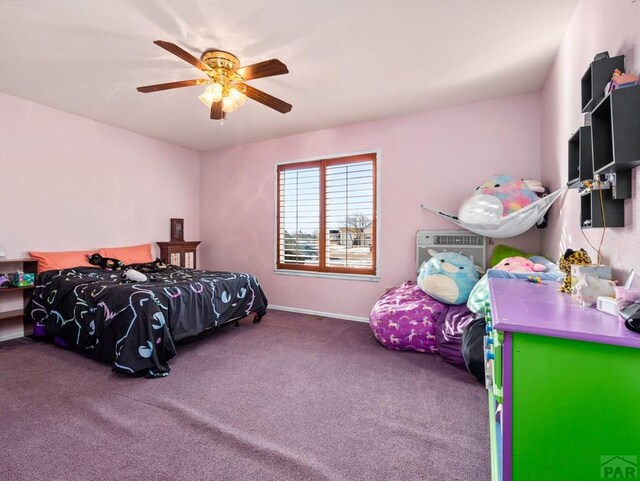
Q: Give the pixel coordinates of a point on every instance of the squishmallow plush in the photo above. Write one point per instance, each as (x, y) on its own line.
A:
(448, 277)
(519, 264)
(499, 196)
(480, 293)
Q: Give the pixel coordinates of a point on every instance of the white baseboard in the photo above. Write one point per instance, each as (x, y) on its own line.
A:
(319, 313)
(8, 337)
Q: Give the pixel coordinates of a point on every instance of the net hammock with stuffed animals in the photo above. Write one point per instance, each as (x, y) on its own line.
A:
(511, 225)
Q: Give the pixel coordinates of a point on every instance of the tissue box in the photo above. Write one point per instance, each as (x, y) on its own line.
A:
(607, 304)
(23, 279)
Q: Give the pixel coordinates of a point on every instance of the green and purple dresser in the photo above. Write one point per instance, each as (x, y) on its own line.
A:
(564, 387)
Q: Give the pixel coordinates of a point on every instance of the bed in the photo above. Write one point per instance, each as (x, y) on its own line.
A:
(135, 326)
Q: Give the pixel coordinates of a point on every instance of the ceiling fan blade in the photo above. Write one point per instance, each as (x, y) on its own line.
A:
(268, 68)
(183, 54)
(216, 111)
(173, 85)
(268, 100)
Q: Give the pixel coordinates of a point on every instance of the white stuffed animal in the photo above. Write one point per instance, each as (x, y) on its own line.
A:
(586, 289)
(134, 275)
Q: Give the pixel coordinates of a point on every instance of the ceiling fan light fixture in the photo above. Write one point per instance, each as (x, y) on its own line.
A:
(229, 104)
(238, 96)
(232, 98)
(213, 93)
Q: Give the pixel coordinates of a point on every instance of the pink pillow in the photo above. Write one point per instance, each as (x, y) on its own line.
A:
(50, 261)
(130, 254)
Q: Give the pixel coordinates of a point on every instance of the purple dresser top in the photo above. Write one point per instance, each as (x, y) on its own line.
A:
(522, 306)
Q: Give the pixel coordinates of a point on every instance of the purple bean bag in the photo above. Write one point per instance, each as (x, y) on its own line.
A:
(404, 318)
(449, 327)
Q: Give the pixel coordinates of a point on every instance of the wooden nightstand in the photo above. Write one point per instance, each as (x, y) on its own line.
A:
(7, 266)
(179, 253)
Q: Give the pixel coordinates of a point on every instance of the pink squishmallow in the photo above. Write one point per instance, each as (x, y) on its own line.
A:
(519, 264)
(499, 196)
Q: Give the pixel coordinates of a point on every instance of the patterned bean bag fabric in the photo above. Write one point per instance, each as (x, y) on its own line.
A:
(405, 318)
(449, 328)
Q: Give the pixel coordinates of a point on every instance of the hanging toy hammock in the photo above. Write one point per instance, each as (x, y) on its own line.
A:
(511, 225)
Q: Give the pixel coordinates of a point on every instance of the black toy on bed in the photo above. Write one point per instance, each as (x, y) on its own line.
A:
(157, 265)
(108, 263)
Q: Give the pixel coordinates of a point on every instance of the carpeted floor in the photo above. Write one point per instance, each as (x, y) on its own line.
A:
(293, 398)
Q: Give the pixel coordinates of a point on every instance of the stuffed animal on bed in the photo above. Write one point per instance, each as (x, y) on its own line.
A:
(480, 293)
(157, 265)
(519, 264)
(499, 196)
(107, 263)
(565, 262)
(134, 275)
(448, 277)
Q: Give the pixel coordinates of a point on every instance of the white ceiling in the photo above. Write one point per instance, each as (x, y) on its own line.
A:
(349, 60)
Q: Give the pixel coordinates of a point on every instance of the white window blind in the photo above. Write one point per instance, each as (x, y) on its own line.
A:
(349, 214)
(299, 212)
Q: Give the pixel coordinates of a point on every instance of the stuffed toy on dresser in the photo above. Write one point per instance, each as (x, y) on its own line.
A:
(569, 258)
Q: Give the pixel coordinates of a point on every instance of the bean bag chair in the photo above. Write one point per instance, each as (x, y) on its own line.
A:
(449, 329)
(473, 348)
(404, 318)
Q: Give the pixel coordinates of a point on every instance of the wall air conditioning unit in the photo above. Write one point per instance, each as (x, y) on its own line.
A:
(461, 241)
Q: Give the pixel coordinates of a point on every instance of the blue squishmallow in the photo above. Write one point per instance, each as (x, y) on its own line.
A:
(448, 277)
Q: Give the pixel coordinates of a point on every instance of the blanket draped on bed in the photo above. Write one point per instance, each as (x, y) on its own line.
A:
(135, 325)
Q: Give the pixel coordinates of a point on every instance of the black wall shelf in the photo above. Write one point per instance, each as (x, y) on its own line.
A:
(609, 145)
(580, 160)
(591, 210)
(596, 78)
(615, 131)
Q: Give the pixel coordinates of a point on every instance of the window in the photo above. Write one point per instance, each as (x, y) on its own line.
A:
(327, 215)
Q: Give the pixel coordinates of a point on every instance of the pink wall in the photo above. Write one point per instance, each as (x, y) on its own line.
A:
(71, 183)
(434, 157)
(597, 25)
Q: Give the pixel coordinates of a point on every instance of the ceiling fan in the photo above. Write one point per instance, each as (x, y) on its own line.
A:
(226, 88)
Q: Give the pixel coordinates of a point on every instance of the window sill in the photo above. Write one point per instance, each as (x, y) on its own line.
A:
(328, 275)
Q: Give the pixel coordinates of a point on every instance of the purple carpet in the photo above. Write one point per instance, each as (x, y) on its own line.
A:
(293, 398)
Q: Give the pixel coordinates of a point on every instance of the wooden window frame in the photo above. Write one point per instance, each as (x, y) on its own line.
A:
(322, 164)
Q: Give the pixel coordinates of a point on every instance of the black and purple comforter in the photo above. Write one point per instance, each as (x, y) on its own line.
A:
(135, 325)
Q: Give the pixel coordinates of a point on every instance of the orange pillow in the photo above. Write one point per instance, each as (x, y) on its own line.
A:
(128, 255)
(49, 261)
